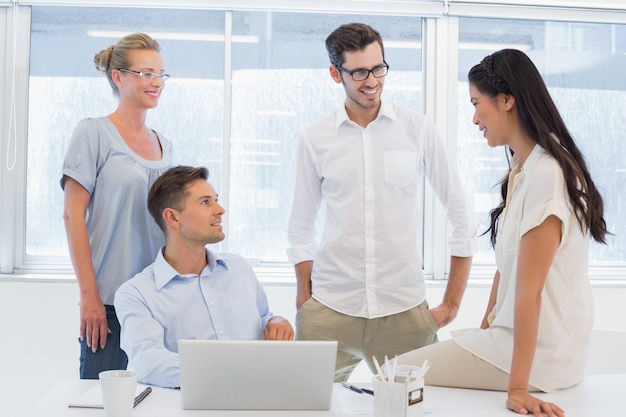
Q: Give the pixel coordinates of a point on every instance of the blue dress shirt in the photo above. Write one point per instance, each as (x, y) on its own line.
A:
(158, 307)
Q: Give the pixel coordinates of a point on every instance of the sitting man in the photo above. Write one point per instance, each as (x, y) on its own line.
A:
(189, 292)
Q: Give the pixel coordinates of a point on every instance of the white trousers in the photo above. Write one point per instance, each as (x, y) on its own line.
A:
(453, 366)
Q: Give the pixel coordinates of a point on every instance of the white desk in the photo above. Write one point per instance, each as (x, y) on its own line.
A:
(597, 395)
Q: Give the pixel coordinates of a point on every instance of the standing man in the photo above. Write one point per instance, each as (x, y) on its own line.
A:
(363, 284)
(189, 292)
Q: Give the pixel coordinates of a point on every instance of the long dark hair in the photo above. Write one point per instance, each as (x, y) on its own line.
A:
(511, 72)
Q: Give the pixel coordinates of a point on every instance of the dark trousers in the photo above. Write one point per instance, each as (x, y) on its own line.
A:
(111, 357)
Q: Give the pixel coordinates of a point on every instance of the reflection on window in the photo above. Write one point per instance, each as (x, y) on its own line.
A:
(65, 87)
(583, 66)
(279, 84)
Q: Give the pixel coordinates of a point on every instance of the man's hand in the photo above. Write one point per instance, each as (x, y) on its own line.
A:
(278, 328)
(457, 281)
(301, 299)
(303, 278)
(443, 314)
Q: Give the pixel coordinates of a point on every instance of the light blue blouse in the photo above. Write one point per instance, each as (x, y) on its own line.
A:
(122, 234)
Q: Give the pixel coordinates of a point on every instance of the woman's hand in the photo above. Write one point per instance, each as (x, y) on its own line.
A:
(93, 322)
(522, 402)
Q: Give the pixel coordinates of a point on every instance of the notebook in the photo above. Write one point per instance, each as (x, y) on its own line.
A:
(93, 397)
(256, 374)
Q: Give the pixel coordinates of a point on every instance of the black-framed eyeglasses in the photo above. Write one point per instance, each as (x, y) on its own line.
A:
(363, 74)
(147, 75)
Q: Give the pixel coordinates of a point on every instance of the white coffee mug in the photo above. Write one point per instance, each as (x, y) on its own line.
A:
(118, 392)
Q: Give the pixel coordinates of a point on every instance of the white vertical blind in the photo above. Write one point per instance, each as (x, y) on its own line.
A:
(14, 109)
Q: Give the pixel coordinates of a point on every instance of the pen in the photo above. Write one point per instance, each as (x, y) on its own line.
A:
(352, 387)
(143, 394)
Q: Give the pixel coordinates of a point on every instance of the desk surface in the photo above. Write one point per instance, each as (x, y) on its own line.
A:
(597, 395)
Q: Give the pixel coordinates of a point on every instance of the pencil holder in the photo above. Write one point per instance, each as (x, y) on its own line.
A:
(399, 398)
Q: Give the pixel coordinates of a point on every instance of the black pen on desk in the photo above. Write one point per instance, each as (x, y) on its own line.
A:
(352, 387)
(143, 394)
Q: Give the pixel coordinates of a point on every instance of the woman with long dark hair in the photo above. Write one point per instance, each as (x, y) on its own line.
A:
(536, 331)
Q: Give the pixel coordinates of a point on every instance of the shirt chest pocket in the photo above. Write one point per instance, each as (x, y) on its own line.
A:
(400, 167)
(246, 318)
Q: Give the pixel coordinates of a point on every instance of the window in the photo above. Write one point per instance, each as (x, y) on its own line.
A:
(65, 87)
(279, 82)
(247, 79)
(583, 65)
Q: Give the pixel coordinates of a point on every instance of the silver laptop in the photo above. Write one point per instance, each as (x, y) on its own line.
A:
(256, 374)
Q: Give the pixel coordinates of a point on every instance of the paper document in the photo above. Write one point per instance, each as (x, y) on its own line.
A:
(354, 404)
(93, 397)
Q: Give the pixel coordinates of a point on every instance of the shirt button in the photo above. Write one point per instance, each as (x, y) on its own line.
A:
(211, 303)
(221, 331)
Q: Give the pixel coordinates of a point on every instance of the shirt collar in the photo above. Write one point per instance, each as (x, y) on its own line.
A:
(164, 272)
(517, 173)
(386, 110)
(532, 159)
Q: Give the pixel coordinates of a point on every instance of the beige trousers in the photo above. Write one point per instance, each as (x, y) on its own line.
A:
(453, 366)
(360, 338)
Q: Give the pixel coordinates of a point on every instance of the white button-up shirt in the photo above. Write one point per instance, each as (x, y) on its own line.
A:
(536, 192)
(368, 263)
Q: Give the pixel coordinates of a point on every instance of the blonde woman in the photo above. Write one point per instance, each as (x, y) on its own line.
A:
(110, 164)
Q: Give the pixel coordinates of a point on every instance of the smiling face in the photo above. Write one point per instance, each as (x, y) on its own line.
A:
(491, 115)
(201, 219)
(138, 90)
(362, 97)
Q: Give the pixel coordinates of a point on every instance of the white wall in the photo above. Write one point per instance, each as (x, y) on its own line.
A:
(610, 304)
(39, 330)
